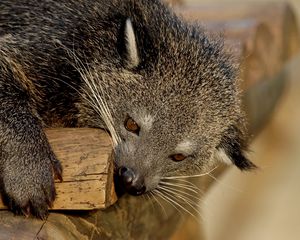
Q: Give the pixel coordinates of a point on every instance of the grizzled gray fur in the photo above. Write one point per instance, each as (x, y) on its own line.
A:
(166, 92)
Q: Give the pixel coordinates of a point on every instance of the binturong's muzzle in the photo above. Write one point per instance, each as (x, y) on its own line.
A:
(130, 182)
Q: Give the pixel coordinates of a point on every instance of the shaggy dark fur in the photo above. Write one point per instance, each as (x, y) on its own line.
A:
(58, 58)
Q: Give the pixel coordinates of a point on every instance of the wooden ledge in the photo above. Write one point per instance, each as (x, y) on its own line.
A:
(85, 155)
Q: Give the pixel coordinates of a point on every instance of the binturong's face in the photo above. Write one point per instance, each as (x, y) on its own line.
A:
(176, 117)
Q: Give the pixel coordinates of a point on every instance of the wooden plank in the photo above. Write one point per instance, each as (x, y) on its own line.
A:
(87, 169)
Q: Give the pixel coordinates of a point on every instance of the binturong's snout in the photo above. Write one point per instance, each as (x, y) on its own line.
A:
(130, 182)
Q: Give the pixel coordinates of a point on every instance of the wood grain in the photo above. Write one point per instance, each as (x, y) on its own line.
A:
(87, 169)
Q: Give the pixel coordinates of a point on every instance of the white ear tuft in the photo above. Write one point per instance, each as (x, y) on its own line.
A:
(221, 156)
(131, 46)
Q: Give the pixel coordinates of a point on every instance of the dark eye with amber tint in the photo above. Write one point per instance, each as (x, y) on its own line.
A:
(178, 157)
(132, 126)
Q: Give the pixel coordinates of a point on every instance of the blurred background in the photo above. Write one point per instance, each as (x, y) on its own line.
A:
(265, 204)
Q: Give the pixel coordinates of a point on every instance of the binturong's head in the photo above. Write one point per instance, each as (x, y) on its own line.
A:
(172, 104)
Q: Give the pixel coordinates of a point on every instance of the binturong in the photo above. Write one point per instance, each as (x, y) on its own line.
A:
(166, 92)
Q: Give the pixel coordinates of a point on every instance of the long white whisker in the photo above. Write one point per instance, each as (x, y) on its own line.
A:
(168, 200)
(178, 191)
(102, 107)
(106, 114)
(149, 199)
(229, 187)
(91, 102)
(188, 183)
(162, 207)
(171, 196)
(185, 186)
(191, 203)
(191, 176)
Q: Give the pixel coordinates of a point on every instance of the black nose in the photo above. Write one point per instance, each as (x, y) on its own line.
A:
(127, 176)
(130, 182)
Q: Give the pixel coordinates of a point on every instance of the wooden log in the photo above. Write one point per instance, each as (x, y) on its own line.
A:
(269, 36)
(174, 2)
(87, 169)
(264, 38)
(251, 43)
(279, 17)
(142, 218)
(272, 40)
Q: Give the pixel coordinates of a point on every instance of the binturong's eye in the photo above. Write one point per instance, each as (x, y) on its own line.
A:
(132, 126)
(178, 157)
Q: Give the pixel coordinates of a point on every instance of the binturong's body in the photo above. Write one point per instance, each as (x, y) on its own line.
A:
(167, 94)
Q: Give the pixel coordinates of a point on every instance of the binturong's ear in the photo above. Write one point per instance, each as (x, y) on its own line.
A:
(232, 150)
(131, 54)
